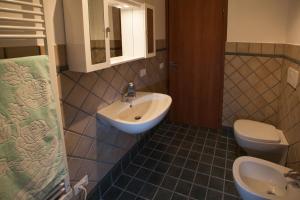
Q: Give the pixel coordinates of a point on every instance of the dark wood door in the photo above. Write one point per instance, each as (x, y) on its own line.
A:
(197, 34)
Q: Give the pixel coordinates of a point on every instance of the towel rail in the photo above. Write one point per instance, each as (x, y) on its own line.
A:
(61, 192)
(21, 36)
(18, 30)
(35, 28)
(21, 19)
(22, 3)
(58, 191)
(10, 10)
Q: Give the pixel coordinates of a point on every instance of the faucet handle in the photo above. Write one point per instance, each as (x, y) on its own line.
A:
(131, 84)
(289, 173)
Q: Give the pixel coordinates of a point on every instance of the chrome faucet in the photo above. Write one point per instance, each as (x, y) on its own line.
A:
(130, 93)
(295, 176)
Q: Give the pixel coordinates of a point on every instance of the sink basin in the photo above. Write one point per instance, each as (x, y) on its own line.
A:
(147, 110)
(259, 179)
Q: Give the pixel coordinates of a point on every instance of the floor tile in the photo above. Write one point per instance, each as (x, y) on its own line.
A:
(202, 179)
(174, 171)
(198, 192)
(179, 197)
(134, 186)
(148, 191)
(187, 175)
(218, 172)
(216, 183)
(169, 182)
(126, 196)
(179, 162)
(213, 195)
(131, 170)
(143, 174)
(112, 193)
(122, 181)
(163, 195)
(155, 178)
(183, 187)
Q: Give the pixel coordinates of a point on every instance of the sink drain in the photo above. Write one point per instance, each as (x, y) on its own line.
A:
(271, 192)
(138, 117)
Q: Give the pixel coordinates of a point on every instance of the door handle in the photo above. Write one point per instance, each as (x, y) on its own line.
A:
(107, 31)
(172, 64)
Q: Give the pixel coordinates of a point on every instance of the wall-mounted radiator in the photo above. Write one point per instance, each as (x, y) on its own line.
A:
(22, 24)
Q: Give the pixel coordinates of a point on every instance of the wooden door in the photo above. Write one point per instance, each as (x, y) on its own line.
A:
(197, 34)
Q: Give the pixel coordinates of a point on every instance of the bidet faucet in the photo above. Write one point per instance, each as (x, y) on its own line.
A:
(130, 93)
(295, 176)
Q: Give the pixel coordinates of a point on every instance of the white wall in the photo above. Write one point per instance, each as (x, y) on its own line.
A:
(257, 21)
(293, 28)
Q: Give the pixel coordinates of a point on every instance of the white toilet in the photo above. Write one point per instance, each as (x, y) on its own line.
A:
(261, 140)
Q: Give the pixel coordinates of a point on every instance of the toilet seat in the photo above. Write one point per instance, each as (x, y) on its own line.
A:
(257, 131)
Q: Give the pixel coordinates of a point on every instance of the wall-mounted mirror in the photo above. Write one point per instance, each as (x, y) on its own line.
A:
(115, 31)
(97, 31)
(105, 33)
(150, 30)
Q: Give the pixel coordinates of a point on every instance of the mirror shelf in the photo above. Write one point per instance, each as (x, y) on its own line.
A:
(105, 33)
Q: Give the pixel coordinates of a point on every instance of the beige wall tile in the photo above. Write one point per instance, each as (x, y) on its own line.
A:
(255, 48)
(83, 147)
(243, 47)
(14, 52)
(80, 122)
(68, 114)
(231, 47)
(71, 140)
(60, 55)
(92, 104)
(2, 53)
(88, 80)
(268, 49)
(77, 96)
(66, 85)
(279, 49)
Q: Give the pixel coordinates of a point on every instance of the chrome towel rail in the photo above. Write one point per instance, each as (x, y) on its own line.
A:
(22, 28)
(22, 20)
(21, 36)
(9, 10)
(23, 3)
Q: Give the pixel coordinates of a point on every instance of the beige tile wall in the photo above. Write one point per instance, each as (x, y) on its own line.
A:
(255, 87)
(251, 83)
(92, 146)
(289, 113)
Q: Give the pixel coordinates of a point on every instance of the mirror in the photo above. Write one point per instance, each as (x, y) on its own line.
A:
(97, 31)
(150, 31)
(115, 31)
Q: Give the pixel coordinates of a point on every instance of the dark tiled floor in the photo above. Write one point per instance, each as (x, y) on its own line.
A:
(179, 163)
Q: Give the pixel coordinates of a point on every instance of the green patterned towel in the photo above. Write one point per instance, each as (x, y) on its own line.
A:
(32, 159)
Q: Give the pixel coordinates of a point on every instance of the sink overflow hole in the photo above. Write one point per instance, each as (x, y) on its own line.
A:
(138, 117)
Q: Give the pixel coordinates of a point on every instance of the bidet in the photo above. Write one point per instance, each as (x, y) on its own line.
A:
(258, 179)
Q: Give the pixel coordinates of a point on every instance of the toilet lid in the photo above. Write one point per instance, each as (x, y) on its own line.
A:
(257, 131)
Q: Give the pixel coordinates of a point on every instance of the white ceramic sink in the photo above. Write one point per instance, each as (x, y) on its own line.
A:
(147, 110)
(258, 179)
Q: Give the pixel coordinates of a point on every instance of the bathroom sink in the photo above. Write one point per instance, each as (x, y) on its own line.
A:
(144, 112)
(260, 179)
